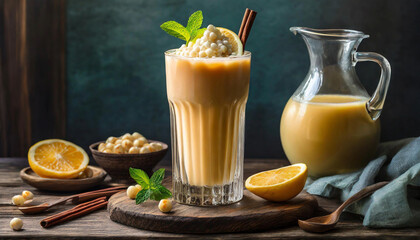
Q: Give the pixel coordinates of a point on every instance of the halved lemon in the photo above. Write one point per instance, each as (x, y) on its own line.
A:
(56, 158)
(233, 40)
(279, 184)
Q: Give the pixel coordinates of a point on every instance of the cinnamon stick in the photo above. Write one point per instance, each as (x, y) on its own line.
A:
(78, 211)
(103, 190)
(244, 19)
(246, 25)
(93, 201)
(82, 197)
(93, 195)
(72, 210)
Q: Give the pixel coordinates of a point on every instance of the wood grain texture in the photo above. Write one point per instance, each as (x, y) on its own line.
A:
(15, 112)
(97, 175)
(98, 225)
(32, 73)
(249, 215)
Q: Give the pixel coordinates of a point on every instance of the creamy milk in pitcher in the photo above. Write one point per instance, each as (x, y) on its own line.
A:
(331, 123)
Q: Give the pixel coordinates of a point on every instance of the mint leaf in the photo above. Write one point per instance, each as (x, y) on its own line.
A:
(140, 177)
(198, 33)
(195, 21)
(143, 195)
(157, 177)
(160, 193)
(152, 188)
(175, 29)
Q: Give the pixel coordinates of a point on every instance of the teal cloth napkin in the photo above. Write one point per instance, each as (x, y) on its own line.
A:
(393, 206)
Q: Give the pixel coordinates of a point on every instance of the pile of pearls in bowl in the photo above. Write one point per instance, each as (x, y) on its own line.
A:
(129, 143)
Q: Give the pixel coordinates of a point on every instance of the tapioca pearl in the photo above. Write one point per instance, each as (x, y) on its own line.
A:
(118, 149)
(101, 147)
(134, 150)
(202, 54)
(111, 140)
(203, 48)
(213, 36)
(144, 149)
(136, 135)
(126, 144)
(109, 146)
(18, 200)
(27, 195)
(165, 205)
(206, 34)
(210, 52)
(194, 54)
(17, 223)
(211, 28)
(213, 46)
(132, 192)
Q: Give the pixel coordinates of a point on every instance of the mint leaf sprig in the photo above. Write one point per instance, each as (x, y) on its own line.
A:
(152, 187)
(190, 33)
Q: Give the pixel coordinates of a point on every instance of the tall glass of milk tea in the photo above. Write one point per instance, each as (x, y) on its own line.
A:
(207, 98)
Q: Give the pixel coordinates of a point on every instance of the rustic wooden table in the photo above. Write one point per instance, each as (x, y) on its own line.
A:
(98, 225)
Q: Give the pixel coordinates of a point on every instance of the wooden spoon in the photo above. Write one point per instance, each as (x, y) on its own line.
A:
(78, 198)
(328, 222)
(42, 207)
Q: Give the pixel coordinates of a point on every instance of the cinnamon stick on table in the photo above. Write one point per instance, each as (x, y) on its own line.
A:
(78, 211)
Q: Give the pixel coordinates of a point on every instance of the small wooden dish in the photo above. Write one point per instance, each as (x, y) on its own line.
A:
(117, 165)
(64, 185)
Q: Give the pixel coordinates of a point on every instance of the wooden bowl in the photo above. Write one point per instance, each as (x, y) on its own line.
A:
(117, 164)
(64, 185)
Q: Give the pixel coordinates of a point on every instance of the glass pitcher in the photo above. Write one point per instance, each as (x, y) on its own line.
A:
(331, 123)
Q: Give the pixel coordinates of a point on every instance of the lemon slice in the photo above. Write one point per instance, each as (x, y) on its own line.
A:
(56, 158)
(279, 184)
(234, 40)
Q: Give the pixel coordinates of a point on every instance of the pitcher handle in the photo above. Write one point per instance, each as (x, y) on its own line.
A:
(375, 104)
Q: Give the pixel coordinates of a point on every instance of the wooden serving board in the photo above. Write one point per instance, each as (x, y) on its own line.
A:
(252, 213)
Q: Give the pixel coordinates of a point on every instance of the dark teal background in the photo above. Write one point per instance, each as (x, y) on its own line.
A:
(116, 76)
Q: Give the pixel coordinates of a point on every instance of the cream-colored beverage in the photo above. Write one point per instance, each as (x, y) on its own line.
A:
(207, 83)
(331, 134)
(207, 98)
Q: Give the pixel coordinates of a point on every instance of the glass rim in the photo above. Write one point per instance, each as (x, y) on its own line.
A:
(170, 53)
(339, 33)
